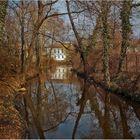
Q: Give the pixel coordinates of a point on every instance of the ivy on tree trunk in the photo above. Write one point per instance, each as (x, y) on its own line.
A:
(106, 39)
(3, 7)
(126, 31)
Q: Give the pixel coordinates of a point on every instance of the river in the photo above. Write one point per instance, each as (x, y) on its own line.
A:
(63, 106)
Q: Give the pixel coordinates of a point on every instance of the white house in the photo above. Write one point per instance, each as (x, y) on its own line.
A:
(58, 52)
(61, 73)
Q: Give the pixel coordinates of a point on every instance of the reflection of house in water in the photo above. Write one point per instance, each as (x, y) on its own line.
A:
(61, 73)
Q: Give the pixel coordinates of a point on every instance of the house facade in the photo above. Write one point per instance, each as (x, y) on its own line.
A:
(59, 52)
(61, 73)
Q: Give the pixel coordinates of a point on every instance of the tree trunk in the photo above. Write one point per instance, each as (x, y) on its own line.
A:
(33, 45)
(126, 30)
(136, 62)
(79, 46)
(106, 41)
(22, 37)
(38, 53)
(3, 7)
(95, 32)
(126, 130)
(31, 49)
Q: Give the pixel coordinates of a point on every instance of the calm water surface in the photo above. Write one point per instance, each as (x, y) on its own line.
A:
(65, 107)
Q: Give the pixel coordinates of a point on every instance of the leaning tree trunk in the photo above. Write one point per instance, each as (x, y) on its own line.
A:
(82, 51)
(106, 40)
(3, 7)
(126, 30)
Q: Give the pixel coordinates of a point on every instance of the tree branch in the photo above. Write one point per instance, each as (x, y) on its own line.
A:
(50, 3)
(72, 24)
(135, 5)
(60, 42)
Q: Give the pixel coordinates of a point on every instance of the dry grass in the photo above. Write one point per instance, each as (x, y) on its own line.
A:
(11, 125)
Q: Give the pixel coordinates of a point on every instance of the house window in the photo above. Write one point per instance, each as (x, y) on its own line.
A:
(55, 50)
(58, 56)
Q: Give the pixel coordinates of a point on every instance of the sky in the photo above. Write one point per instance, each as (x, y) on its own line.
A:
(135, 20)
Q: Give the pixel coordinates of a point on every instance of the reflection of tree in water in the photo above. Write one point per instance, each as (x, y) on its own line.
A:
(113, 119)
(52, 105)
(53, 108)
(53, 113)
(47, 106)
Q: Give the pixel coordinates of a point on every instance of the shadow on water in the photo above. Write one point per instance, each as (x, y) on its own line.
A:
(71, 108)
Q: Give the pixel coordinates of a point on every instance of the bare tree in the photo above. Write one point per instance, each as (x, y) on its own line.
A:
(79, 46)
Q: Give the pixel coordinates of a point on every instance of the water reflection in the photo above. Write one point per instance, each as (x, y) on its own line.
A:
(75, 109)
(61, 73)
(34, 109)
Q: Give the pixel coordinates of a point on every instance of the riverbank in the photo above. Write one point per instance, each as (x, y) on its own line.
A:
(12, 125)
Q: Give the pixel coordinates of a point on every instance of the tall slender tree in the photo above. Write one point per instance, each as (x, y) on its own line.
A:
(3, 7)
(22, 36)
(126, 31)
(106, 39)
